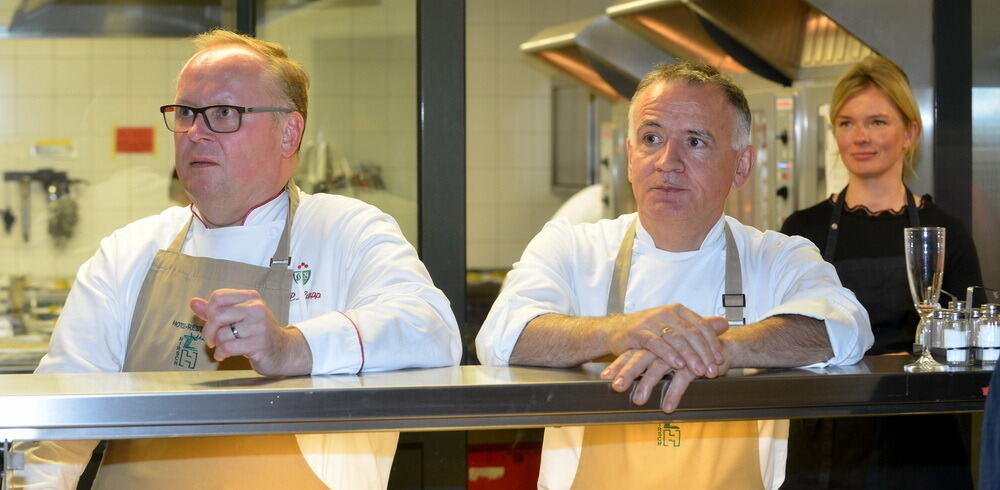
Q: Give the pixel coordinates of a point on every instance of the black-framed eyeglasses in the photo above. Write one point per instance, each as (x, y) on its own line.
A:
(220, 118)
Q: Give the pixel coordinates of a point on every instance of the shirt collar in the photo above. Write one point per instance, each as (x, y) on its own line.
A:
(273, 209)
(644, 242)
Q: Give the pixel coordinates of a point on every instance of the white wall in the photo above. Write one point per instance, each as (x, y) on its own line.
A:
(509, 126)
(81, 89)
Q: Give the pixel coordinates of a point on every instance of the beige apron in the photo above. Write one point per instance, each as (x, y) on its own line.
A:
(166, 336)
(695, 455)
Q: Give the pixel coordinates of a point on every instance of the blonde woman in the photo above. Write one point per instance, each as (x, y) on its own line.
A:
(877, 127)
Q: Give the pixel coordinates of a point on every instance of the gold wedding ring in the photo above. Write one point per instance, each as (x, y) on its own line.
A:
(665, 330)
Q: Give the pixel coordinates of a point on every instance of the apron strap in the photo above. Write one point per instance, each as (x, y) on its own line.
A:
(831, 235)
(733, 300)
(282, 259)
(911, 209)
(175, 246)
(619, 278)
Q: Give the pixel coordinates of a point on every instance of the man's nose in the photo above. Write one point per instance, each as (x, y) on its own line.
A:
(669, 158)
(199, 129)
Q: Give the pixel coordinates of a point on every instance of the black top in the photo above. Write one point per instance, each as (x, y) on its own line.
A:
(882, 452)
(863, 234)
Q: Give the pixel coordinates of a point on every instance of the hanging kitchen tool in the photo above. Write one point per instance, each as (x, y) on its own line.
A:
(62, 208)
(7, 215)
(24, 190)
(63, 211)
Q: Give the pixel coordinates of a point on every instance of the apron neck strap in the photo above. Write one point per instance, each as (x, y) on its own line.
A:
(619, 277)
(830, 252)
(281, 258)
(733, 299)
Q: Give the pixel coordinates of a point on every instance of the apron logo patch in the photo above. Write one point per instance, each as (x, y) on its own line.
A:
(668, 435)
(187, 349)
(301, 274)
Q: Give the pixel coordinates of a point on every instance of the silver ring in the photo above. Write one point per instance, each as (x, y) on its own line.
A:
(232, 327)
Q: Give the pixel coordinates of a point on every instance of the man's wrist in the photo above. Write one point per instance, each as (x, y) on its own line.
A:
(301, 359)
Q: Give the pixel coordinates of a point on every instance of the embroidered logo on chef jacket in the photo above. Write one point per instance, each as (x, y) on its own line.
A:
(668, 435)
(188, 345)
(302, 273)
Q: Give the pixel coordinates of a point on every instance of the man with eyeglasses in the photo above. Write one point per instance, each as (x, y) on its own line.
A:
(254, 274)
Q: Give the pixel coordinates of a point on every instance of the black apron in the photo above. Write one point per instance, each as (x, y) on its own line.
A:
(879, 283)
(912, 452)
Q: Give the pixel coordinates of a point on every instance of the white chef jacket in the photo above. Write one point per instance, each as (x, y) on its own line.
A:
(567, 270)
(360, 296)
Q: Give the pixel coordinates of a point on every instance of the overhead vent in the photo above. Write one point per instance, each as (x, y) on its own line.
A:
(111, 18)
(607, 58)
(774, 39)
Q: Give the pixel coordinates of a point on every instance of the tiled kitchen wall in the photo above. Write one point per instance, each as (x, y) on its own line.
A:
(81, 90)
(509, 126)
(362, 62)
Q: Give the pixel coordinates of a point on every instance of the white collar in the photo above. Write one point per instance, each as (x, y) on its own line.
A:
(269, 211)
(644, 245)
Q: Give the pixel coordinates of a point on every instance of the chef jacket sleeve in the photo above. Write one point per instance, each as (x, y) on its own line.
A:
(394, 316)
(804, 284)
(540, 283)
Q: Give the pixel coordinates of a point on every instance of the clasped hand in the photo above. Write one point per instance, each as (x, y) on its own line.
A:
(653, 343)
(238, 322)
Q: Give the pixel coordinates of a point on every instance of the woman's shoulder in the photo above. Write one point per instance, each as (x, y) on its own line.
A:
(816, 216)
(933, 215)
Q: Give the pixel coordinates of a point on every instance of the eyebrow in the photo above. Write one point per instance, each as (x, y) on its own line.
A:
(701, 133)
(869, 116)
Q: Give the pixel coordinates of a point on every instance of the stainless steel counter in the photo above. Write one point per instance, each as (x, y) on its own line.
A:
(131, 405)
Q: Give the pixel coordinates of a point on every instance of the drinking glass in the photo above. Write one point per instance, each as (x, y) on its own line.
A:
(924, 249)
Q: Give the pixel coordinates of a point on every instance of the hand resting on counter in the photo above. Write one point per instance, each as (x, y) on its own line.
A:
(272, 348)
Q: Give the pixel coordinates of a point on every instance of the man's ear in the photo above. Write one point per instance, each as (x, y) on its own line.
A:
(291, 134)
(744, 165)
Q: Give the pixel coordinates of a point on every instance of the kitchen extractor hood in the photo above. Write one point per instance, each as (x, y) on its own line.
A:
(599, 53)
(774, 39)
(84, 18)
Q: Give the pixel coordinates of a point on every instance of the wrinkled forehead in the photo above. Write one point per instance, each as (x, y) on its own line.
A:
(671, 99)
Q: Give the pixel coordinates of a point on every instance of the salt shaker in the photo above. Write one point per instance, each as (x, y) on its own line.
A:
(986, 335)
(951, 332)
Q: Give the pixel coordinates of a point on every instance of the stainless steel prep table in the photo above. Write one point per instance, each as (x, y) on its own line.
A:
(136, 405)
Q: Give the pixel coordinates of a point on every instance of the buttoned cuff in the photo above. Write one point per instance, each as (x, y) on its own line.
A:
(336, 343)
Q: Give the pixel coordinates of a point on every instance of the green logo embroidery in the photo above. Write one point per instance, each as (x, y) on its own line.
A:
(302, 274)
(186, 350)
(668, 435)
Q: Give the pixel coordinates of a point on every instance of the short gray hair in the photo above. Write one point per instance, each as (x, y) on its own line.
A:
(698, 74)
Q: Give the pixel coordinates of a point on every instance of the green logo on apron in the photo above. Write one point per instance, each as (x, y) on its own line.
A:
(186, 351)
(668, 435)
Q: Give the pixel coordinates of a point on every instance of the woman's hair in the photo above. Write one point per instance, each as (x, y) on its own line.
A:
(876, 71)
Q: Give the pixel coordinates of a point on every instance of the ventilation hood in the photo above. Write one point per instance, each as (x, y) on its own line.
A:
(774, 39)
(607, 58)
(85, 18)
